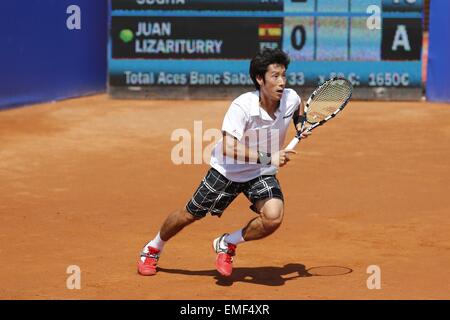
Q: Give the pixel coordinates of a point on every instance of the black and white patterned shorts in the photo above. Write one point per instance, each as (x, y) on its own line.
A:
(216, 193)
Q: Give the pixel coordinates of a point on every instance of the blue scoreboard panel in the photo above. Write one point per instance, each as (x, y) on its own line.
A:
(209, 43)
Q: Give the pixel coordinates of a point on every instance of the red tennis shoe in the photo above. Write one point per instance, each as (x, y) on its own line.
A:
(148, 266)
(225, 252)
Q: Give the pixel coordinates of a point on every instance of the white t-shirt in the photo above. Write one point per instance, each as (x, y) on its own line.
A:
(252, 126)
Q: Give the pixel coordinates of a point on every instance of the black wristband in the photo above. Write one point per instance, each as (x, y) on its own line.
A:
(298, 119)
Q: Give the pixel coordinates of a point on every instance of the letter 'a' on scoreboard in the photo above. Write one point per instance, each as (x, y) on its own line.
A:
(152, 41)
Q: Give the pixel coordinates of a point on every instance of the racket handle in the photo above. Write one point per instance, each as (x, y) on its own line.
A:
(293, 143)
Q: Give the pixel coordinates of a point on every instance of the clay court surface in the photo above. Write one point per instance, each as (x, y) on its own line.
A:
(88, 182)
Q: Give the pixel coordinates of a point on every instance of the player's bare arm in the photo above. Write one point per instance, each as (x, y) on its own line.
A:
(233, 148)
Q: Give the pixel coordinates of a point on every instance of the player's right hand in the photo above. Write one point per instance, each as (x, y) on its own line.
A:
(282, 157)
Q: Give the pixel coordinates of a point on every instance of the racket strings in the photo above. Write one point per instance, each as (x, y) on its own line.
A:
(328, 99)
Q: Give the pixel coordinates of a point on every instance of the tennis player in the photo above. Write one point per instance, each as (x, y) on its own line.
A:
(245, 161)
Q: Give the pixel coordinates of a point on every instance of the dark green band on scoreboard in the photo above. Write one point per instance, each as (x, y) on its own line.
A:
(238, 5)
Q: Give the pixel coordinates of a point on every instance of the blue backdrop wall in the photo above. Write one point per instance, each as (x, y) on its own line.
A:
(51, 49)
(438, 80)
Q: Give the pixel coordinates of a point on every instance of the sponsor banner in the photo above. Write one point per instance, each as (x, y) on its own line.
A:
(235, 73)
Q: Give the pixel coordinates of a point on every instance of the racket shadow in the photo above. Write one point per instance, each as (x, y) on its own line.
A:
(268, 276)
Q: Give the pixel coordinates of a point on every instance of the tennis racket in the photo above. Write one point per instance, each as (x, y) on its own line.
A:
(324, 104)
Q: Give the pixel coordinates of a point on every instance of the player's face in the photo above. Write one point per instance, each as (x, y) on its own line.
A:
(275, 82)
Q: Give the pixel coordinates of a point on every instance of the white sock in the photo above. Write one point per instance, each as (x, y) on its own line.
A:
(156, 243)
(235, 237)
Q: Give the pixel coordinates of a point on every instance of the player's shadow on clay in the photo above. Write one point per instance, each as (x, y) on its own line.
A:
(269, 276)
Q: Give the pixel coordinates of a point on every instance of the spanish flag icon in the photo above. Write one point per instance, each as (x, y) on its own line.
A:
(270, 31)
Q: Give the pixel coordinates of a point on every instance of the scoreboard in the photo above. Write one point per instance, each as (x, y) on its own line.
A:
(157, 44)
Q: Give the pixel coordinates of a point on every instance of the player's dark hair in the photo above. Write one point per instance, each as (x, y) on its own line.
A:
(262, 60)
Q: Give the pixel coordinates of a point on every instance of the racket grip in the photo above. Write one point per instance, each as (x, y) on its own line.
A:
(293, 143)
